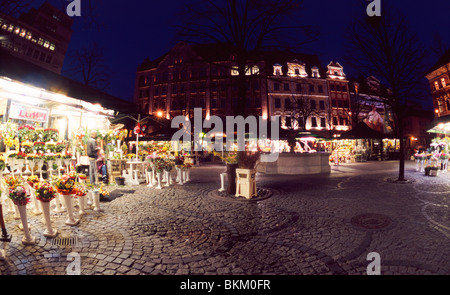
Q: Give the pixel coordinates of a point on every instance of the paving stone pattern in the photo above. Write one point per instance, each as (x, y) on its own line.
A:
(304, 225)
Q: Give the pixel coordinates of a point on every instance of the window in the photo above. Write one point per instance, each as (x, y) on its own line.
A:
(174, 89)
(286, 86)
(276, 86)
(311, 88)
(257, 102)
(297, 72)
(42, 57)
(340, 103)
(313, 122)
(288, 121)
(322, 105)
(298, 87)
(333, 103)
(346, 104)
(344, 88)
(156, 91)
(277, 103)
(341, 121)
(332, 87)
(322, 122)
(335, 121)
(444, 84)
(313, 104)
(214, 103)
(49, 59)
(436, 85)
(320, 89)
(287, 103)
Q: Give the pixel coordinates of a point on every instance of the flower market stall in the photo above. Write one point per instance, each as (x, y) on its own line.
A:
(434, 160)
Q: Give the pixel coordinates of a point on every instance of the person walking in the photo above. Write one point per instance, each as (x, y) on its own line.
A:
(92, 151)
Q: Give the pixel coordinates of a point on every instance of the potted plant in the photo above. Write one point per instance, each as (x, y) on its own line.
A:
(45, 193)
(20, 197)
(231, 159)
(65, 185)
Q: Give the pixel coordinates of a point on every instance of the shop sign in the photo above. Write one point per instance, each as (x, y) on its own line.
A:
(28, 113)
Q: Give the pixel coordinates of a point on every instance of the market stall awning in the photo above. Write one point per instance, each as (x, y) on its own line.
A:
(20, 70)
(440, 125)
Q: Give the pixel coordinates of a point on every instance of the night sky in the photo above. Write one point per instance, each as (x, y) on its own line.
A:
(133, 30)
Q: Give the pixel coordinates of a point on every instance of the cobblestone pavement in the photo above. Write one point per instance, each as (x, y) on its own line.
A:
(318, 224)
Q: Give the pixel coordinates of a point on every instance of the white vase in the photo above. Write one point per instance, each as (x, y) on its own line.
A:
(58, 207)
(158, 177)
(32, 165)
(184, 175)
(71, 220)
(222, 182)
(27, 239)
(81, 204)
(36, 205)
(188, 174)
(96, 200)
(149, 178)
(417, 165)
(88, 200)
(49, 232)
(167, 173)
(180, 176)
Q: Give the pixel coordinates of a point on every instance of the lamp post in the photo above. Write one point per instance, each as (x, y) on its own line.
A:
(5, 237)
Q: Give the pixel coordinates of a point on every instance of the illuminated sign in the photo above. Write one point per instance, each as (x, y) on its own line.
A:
(28, 113)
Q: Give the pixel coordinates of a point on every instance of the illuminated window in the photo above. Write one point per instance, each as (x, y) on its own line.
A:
(17, 31)
(41, 41)
(277, 70)
(10, 28)
(234, 71)
(315, 72)
(28, 35)
(46, 44)
(22, 33)
(436, 85)
(443, 82)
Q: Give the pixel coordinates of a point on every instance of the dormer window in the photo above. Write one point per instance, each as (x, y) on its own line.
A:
(315, 72)
(296, 69)
(444, 84)
(277, 70)
(335, 71)
(436, 85)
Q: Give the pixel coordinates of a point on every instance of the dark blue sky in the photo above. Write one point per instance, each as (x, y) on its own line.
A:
(134, 30)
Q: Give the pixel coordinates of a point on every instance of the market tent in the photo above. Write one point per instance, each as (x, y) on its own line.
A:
(362, 131)
(440, 125)
(20, 70)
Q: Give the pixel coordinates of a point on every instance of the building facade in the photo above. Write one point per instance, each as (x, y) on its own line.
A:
(439, 79)
(40, 36)
(204, 76)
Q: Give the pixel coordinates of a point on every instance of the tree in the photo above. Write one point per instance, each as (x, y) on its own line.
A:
(386, 47)
(89, 67)
(14, 7)
(245, 27)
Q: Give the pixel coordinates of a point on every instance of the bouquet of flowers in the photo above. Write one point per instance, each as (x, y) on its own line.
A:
(19, 195)
(67, 156)
(32, 180)
(9, 133)
(179, 160)
(26, 133)
(65, 184)
(443, 156)
(102, 191)
(60, 147)
(82, 176)
(51, 134)
(44, 191)
(50, 146)
(80, 133)
(169, 164)
(13, 181)
(27, 147)
(160, 165)
(38, 135)
(21, 156)
(81, 190)
(39, 146)
(49, 157)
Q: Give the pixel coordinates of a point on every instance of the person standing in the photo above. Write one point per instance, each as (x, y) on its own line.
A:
(92, 150)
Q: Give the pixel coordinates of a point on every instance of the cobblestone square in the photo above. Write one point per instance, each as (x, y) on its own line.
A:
(309, 225)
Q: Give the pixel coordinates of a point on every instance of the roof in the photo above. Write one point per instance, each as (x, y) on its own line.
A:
(25, 72)
(211, 52)
(443, 60)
